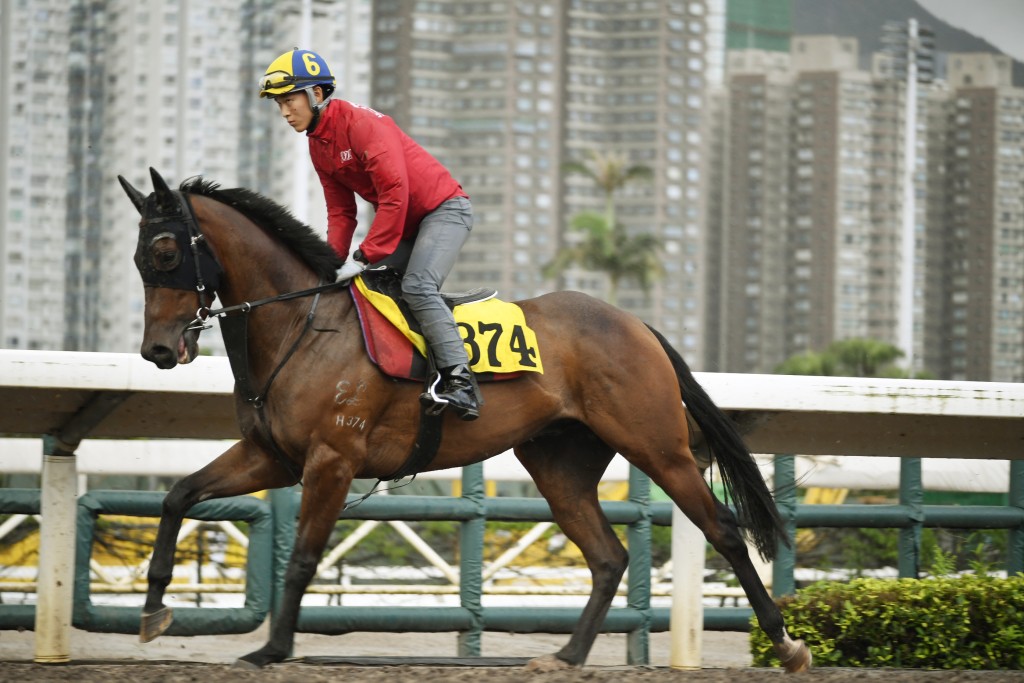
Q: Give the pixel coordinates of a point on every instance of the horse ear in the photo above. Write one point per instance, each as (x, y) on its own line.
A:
(164, 196)
(138, 199)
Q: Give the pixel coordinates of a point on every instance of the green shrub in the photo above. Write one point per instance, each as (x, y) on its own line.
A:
(970, 622)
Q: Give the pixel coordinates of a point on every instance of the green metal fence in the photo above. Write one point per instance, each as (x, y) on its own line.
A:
(188, 621)
(910, 516)
(272, 533)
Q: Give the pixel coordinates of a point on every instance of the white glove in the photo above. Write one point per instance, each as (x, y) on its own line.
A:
(349, 270)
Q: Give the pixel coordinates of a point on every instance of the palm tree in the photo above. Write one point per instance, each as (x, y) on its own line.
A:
(855, 357)
(606, 246)
(610, 172)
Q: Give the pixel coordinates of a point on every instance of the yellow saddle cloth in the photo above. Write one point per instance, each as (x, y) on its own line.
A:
(497, 337)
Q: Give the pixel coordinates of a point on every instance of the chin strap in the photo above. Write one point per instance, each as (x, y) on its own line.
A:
(316, 107)
(312, 124)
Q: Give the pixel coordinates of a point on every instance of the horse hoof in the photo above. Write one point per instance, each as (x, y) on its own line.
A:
(241, 663)
(259, 659)
(548, 663)
(153, 624)
(794, 655)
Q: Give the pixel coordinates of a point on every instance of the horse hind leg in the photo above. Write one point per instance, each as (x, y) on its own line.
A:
(718, 523)
(241, 469)
(566, 469)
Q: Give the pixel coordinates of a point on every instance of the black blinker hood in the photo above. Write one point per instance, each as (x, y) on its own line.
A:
(198, 270)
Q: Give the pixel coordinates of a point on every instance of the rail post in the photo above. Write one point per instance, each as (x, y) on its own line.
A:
(911, 498)
(284, 505)
(784, 481)
(638, 592)
(1015, 552)
(58, 508)
(686, 619)
(471, 561)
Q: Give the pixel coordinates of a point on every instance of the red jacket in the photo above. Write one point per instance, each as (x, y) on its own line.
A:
(356, 150)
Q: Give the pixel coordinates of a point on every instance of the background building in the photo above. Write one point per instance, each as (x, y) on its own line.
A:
(170, 85)
(759, 25)
(809, 219)
(505, 93)
(34, 56)
(976, 326)
(776, 164)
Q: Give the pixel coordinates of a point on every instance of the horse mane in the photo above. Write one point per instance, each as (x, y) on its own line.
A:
(298, 236)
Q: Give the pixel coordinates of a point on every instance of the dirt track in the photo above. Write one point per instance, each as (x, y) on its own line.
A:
(107, 658)
(306, 673)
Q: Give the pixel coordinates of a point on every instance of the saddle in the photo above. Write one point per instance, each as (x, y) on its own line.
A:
(499, 343)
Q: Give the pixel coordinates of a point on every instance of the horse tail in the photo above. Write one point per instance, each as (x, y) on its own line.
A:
(755, 506)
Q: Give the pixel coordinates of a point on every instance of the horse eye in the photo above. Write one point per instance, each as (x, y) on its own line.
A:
(166, 254)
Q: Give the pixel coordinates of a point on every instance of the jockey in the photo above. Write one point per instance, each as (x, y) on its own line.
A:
(423, 217)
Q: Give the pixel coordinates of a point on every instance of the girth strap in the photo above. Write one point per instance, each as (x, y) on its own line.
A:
(428, 439)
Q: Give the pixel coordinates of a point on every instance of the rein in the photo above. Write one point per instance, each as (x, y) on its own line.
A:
(234, 328)
(204, 312)
(234, 323)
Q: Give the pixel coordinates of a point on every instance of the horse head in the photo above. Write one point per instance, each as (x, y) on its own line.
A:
(179, 271)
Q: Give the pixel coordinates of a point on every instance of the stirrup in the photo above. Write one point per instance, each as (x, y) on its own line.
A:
(432, 403)
(435, 404)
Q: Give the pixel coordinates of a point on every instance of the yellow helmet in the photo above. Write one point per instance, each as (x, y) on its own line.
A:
(297, 70)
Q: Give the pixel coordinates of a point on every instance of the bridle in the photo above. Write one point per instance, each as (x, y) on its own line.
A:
(204, 260)
(203, 275)
(234, 319)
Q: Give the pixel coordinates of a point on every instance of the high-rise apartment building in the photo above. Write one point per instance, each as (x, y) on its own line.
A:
(777, 197)
(171, 101)
(98, 88)
(976, 323)
(85, 181)
(33, 170)
(809, 216)
(748, 212)
(272, 158)
(806, 230)
(480, 86)
(505, 93)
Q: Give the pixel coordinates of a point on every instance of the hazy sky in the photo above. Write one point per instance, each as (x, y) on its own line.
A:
(1000, 22)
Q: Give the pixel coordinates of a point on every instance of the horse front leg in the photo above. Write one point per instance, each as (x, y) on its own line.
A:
(241, 469)
(323, 497)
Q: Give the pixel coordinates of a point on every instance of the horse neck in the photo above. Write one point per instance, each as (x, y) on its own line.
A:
(256, 265)
(259, 266)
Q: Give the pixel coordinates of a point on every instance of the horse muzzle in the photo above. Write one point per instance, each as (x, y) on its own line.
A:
(166, 355)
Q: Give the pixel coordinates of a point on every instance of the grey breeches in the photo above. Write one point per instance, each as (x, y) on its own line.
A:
(441, 235)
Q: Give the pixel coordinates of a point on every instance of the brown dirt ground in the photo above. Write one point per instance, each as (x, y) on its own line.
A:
(111, 658)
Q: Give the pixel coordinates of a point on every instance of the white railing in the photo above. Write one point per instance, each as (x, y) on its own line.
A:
(73, 396)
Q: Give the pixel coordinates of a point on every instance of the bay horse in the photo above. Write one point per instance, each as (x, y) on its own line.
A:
(611, 384)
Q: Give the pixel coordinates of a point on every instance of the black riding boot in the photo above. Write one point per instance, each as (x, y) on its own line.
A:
(456, 389)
